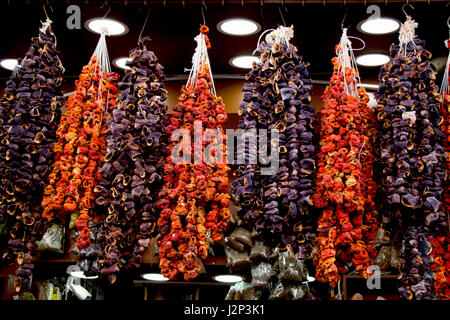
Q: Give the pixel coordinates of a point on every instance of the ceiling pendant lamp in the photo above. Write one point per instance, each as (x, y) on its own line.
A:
(238, 27)
(376, 24)
(112, 27)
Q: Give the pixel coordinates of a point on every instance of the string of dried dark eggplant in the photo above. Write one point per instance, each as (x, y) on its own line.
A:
(133, 168)
(29, 112)
(277, 96)
(412, 155)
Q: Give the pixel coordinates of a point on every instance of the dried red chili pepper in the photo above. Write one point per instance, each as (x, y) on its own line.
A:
(344, 187)
(194, 200)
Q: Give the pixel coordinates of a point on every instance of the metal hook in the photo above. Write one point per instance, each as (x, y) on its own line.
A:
(109, 9)
(145, 23)
(203, 13)
(343, 19)
(281, 14)
(448, 22)
(45, 11)
(364, 44)
(404, 6)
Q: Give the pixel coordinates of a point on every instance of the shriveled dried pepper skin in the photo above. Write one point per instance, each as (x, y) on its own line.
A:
(193, 201)
(344, 188)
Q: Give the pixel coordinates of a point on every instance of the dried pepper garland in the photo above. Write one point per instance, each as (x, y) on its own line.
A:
(412, 163)
(277, 97)
(29, 112)
(80, 151)
(194, 199)
(133, 168)
(344, 189)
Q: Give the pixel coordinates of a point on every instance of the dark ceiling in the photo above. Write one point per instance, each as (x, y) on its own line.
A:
(173, 27)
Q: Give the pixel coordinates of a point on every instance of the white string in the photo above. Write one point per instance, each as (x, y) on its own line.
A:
(407, 34)
(281, 34)
(45, 25)
(259, 39)
(101, 53)
(200, 58)
(445, 85)
(346, 60)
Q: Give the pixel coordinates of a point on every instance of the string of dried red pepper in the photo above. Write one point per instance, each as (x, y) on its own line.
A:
(80, 149)
(194, 199)
(344, 190)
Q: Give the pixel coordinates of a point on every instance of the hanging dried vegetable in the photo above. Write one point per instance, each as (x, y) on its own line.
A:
(276, 98)
(344, 187)
(133, 168)
(194, 199)
(412, 155)
(29, 111)
(81, 146)
(440, 241)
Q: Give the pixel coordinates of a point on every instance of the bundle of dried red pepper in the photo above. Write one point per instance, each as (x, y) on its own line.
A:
(80, 149)
(133, 168)
(412, 158)
(29, 112)
(344, 188)
(194, 199)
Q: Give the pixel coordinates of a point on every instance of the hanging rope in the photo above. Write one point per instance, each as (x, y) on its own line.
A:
(145, 23)
(281, 34)
(101, 53)
(200, 60)
(407, 34)
(347, 61)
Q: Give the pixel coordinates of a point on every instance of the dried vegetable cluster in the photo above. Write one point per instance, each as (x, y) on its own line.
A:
(344, 188)
(29, 112)
(80, 150)
(440, 241)
(194, 200)
(276, 98)
(412, 159)
(133, 167)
